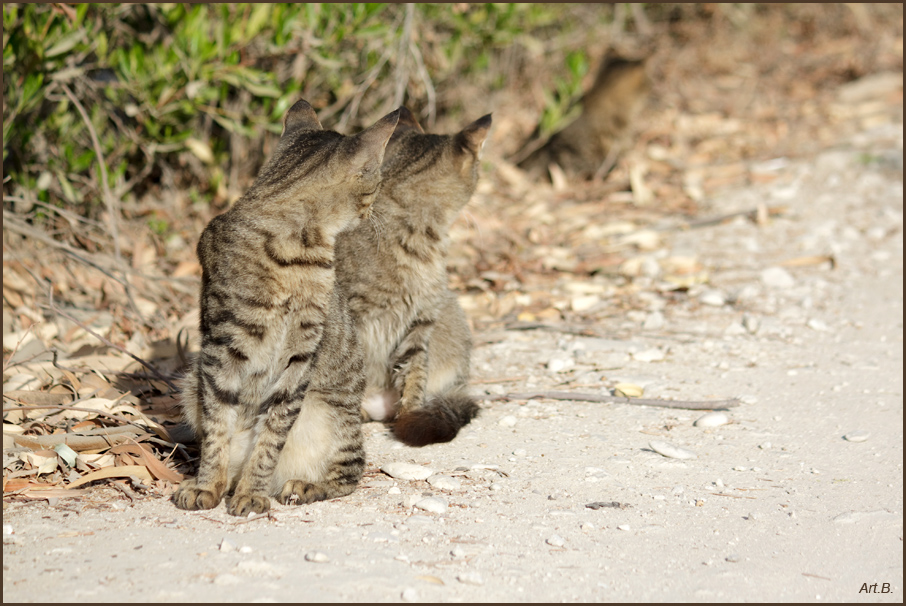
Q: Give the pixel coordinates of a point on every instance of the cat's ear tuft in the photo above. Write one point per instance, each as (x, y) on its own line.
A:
(407, 123)
(301, 116)
(473, 136)
(369, 145)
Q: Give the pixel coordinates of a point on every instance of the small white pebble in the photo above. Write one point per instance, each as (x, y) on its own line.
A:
(556, 541)
(507, 421)
(859, 435)
(819, 325)
(625, 527)
(245, 549)
(777, 277)
(713, 419)
(458, 552)
(740, 468)
(714, 298)
(587, 526)
(495, 487)
(316, 556)
(648, 355)
(409, 595)
(765, 445)
(432, 505)
(520, 452)
(560, 364)
(670, 451)
(445, 482)
(7, 529)
(406, 471)
(394, 490)
(226, 546)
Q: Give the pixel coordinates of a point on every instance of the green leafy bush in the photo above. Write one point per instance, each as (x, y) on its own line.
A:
(187, 96)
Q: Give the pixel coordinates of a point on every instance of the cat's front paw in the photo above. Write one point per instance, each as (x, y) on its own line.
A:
(191, 496)
(244, 504)
(299, 492)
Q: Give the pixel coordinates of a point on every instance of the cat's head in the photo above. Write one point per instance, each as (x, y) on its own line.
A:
(335, 177)
(434, 172)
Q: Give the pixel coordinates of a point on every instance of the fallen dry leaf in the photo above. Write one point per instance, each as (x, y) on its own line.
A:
(139, 471)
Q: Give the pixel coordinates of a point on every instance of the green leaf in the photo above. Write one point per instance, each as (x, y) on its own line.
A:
(263, 90)
(65, 44)
(257, 20)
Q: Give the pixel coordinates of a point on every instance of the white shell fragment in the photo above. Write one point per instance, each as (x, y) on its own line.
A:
(859, 435)
(316, 556)
(670, 451)
(445, 482)
(713, 419)
(507, 421)
(407, 471)
(432, 505)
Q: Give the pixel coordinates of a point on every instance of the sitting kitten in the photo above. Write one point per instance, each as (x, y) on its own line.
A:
(414, 332)
(274, 394)
(608, 108)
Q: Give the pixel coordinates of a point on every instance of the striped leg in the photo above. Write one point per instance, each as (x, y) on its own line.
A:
(410, 365)
(217, 420)
(252, 490)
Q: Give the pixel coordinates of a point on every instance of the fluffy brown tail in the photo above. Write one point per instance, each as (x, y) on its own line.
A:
(439, 420)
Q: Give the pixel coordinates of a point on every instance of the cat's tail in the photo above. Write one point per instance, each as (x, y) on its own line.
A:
(439, 420)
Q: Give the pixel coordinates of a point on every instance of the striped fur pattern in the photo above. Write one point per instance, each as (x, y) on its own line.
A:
(416, 338)
(274, 394)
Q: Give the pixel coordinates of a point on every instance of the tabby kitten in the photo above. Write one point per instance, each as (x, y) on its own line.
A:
(414, 332)
(274, 394)
(589, 145)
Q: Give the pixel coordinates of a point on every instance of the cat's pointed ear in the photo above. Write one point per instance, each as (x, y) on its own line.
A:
(472, 137)
(301, 116)
(369, 145)
(407, 123)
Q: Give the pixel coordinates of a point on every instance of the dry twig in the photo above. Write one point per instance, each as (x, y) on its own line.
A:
(591, 397)
(111, 202)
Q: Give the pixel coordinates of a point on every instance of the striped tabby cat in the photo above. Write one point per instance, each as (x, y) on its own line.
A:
(416, 338)
(274, 394)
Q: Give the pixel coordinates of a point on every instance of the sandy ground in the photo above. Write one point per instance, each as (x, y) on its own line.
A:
(776, 506)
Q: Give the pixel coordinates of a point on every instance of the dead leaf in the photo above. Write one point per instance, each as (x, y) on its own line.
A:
(431, 579)
(139, 471)
(141, 452)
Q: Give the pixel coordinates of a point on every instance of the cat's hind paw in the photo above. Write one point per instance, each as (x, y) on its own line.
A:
(244, 504)
(191, 496)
